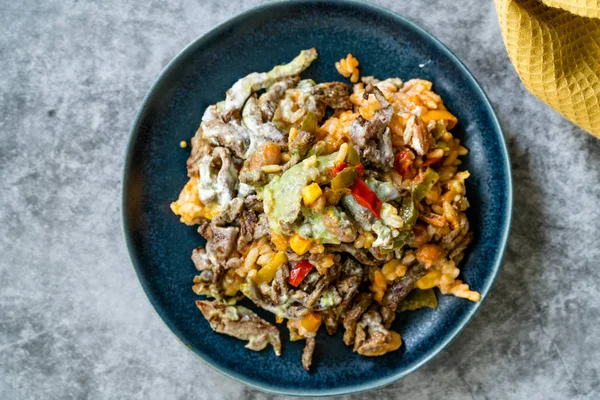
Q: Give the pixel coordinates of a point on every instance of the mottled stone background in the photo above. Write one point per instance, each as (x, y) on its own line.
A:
(74, 321)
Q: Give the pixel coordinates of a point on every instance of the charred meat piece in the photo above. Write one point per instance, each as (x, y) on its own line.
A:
(247, 221)
(302, 143)
(397, 291)
(330, 321)
(360, 304)
(241, 323)
(299, 146)
(417, 136)
(307, 353)
(373, 137)
(352, 268)
(230, 212)
(217, 177)
(200, 147)
(243, 88)
(262, 227)
(200, 259)
(291, 309)
(297, 332)
(330, 94)
(219, 133)
(347, 288)
(459, 251)
(260, 132)
(252, 203)
(208, 283)
(322, 284)
(372, 338)
(269, 100)
(220, 241)
(358, 254)
(279, 289)
(308, 97)
(379, 255)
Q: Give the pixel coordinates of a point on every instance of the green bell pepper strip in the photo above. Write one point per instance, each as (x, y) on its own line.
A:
(430, 177)
(344, 179)
(352, 157)
(310, 123)
(418, 298)
(408, 211)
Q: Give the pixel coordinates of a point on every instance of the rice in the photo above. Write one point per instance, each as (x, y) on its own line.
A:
(348, 67)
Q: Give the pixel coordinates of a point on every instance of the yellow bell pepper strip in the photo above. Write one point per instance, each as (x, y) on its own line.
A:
(267, 273)
(436, 115)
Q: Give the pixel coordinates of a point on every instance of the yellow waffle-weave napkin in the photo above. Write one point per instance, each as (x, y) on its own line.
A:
(555, 48)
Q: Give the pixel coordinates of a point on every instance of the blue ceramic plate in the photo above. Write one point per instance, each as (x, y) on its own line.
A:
(387, 45)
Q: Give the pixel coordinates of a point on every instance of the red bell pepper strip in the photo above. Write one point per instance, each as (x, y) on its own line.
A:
(431, 161)
(338, 168)
(404, 163)
(366, 197)
(360, 168)
(299, 272)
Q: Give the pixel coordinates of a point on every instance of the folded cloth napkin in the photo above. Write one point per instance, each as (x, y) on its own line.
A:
(555, 48)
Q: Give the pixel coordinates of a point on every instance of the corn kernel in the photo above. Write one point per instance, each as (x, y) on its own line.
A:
(430, 280)
(293, 133)
(278, 319)
(267, 273)
(183, 144)
(311, 322)
(299, 244)
(311, 193)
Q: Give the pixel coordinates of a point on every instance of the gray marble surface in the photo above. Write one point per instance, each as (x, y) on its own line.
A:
(74, 322)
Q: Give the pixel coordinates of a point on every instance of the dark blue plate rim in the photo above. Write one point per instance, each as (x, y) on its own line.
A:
(375, 383)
